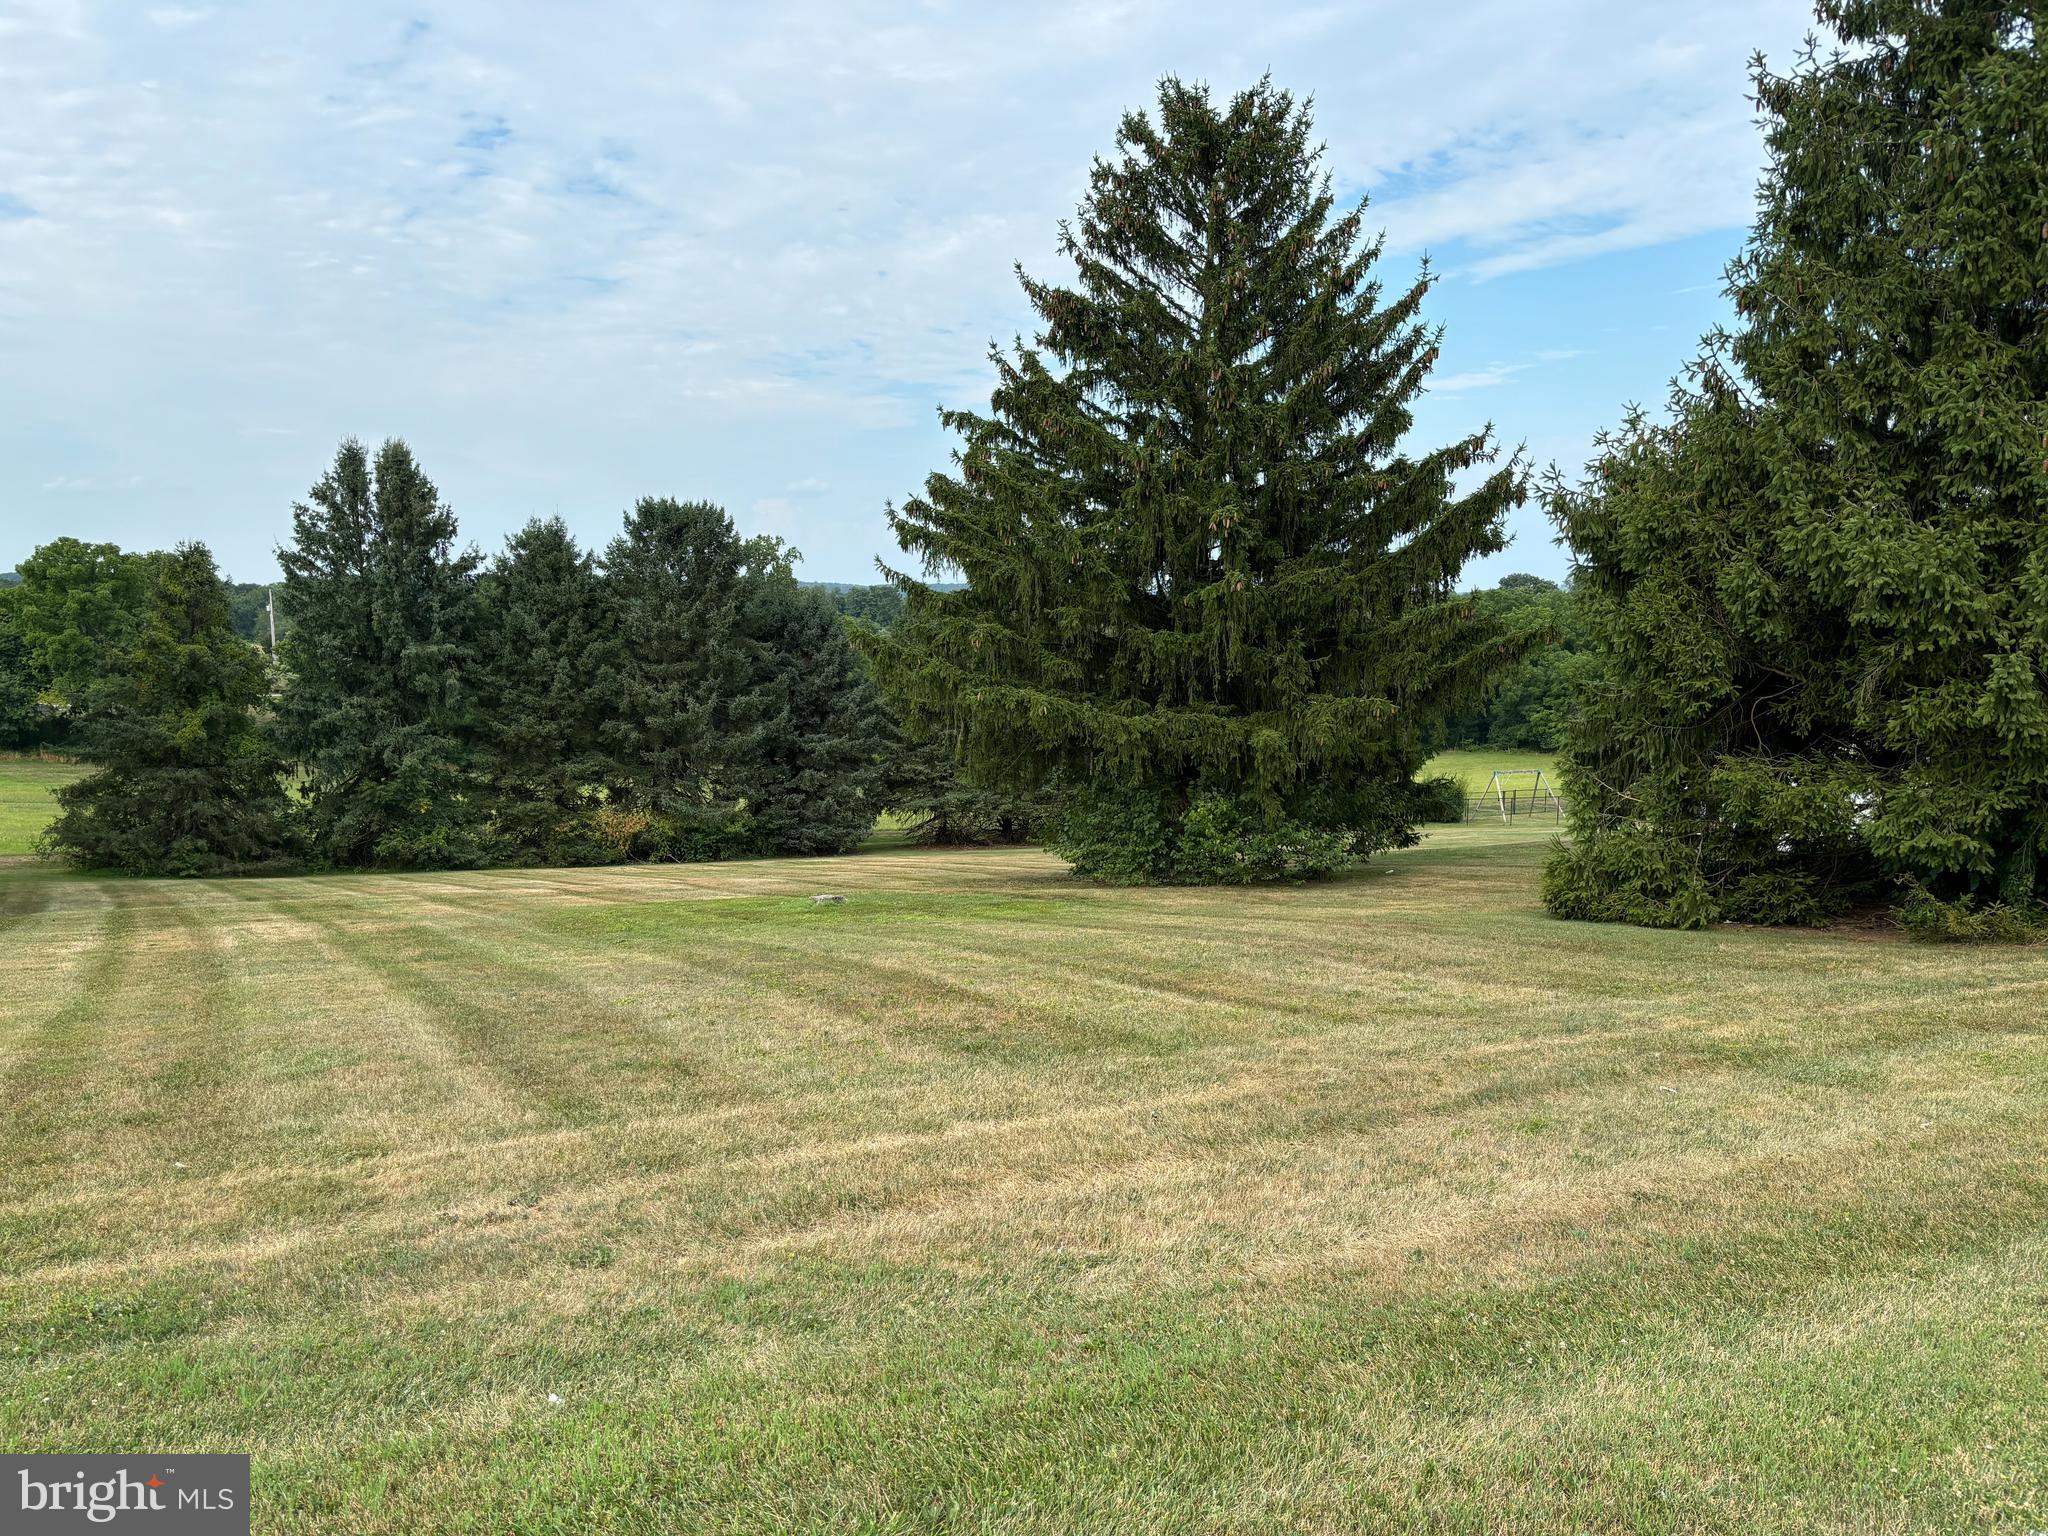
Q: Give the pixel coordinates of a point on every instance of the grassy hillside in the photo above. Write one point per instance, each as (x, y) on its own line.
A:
(1476, 765)
(28, 802)
(661, 1199)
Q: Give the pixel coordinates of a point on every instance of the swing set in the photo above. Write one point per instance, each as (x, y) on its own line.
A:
(1504, 792)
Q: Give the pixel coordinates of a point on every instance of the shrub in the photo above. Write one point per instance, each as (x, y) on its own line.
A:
(433, 840)
(613, 830)
(1131, 837)
(697, 836)
(1926, 916)
(1627, 874)
(1114, 836)
(544, 834)
(1225, 841)
(1440, 799)
(1745, 840)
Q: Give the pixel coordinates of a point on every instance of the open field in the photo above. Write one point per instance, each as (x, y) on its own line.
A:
(28, 803)
(657, 1199)
(1475, 765)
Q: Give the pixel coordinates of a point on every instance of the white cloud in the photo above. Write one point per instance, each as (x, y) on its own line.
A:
(1475, 378)
(720, 250)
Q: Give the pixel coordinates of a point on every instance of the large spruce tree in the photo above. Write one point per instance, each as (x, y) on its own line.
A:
(1200, 565)
(379, 709)
(678, 661)
(187, 780)
(812, 733)
(542, 624)
(1820, 591)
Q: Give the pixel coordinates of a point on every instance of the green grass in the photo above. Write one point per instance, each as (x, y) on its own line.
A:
(28, 802)
(661, 1199)
(1476, 765)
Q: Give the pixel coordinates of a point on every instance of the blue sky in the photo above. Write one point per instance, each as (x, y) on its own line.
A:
(576, 255)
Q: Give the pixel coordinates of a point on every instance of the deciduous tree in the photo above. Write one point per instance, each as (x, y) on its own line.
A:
(76, 604)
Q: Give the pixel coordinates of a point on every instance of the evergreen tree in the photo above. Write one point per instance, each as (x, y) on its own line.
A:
(940, 806)
(378, 711)
(1820, 593)
(187, 780)
(922, 784)
(541, 627)
(677, 659)
(812, 732)
(1199, 565)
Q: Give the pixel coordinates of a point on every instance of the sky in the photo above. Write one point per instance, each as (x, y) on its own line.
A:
(576, 255)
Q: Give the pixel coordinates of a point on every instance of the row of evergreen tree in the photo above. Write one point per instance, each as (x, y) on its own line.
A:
(444, 714)
(1210, 593)
(683, 696)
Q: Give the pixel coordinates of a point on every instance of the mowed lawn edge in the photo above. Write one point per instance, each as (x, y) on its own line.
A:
(658, 1198)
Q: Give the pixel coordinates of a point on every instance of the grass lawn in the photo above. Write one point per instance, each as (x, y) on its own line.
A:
(28, 803)
(1475, 765)
(658, 1199)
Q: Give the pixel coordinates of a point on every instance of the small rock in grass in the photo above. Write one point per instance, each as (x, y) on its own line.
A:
(827, 901)
(554, 1400)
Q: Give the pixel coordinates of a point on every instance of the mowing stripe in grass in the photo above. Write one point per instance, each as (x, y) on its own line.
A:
(48, 1075)
(1502, 1225)
(346, 974)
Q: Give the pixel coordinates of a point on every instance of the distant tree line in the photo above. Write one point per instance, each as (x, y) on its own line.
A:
(1529, 706)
